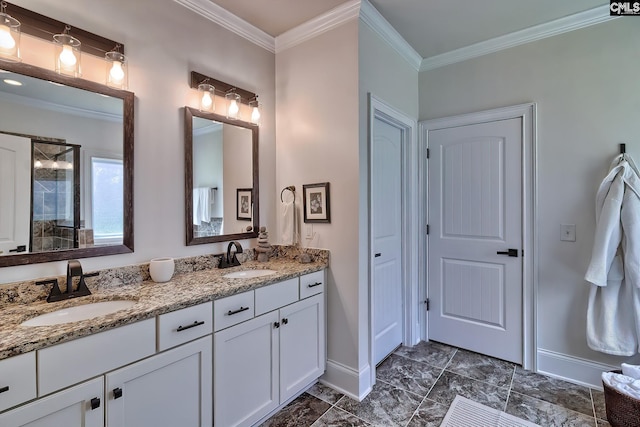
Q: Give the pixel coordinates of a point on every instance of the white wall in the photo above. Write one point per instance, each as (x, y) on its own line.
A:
(164, 43)
(586, 86)
(386, 75)
(208, 166)
(317, 141)
(237, 153)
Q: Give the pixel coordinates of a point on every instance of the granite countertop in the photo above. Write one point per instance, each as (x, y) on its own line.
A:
(183, 290)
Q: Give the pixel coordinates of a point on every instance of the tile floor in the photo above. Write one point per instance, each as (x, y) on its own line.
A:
(415, 387)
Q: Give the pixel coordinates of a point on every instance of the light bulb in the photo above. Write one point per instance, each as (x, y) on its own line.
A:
(116, 72)
(69, 165)
(6, 40)
(255, 115)
(37, 164)
(67, 58)
(233, 109)
(54, 165)
(206, 101)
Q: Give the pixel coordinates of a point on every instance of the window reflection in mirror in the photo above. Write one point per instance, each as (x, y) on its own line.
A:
(62, 148)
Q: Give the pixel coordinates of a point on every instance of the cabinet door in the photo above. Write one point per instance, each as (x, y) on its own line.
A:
(79, 406)
(302, 345)
(246, 371)
(170, 389)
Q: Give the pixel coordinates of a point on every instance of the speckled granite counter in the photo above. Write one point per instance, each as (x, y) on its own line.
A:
(194, 282)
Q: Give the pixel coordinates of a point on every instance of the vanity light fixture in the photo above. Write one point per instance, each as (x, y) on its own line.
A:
(255, 110)
(233, 109)
(117, 68)
(233, 95)
(9, 36)
(37, 164)
(67, 53)
(207, 94)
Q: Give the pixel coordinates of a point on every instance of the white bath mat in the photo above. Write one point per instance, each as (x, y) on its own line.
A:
(467, 413)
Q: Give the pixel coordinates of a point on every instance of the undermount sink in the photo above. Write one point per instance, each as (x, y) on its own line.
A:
(248, 274)
(79, 312)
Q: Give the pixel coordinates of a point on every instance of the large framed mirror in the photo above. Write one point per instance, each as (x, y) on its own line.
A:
(221, 178)
(66, 166)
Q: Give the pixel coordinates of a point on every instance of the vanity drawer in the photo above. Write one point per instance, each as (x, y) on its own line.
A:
(232, 310)
(184, 325)
(17, 380)
(311, 284)
(71, 362)
(274, 296)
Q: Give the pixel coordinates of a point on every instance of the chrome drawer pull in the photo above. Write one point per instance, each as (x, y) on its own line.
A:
(193, 325)
(313, 285)
(240, 310)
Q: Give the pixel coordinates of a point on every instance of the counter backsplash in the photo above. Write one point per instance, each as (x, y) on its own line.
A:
(27, 292)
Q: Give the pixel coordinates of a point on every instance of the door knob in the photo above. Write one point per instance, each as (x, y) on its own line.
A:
(509, 252)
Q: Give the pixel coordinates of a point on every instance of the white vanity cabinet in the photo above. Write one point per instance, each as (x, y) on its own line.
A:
(78, 406)
(144, 386)
(262, 362)
(169, 389)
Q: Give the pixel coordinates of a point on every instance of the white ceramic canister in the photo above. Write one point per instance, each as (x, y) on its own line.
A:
(161, 269)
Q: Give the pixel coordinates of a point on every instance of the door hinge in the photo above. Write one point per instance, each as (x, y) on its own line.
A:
(428, 153)
(426, 303)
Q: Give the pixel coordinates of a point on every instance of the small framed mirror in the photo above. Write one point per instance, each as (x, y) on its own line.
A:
(221, 178)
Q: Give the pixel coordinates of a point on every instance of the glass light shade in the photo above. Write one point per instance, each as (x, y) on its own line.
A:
(233, 105)
(37, 164)
(206, 92)
(67, 55)
(117, 70)
(256, 112)
(9, 38)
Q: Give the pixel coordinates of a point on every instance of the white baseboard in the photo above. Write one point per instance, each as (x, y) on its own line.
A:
(348, 381)
(573, 369)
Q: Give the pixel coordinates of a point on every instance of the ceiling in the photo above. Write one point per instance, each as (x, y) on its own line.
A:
(431, 27)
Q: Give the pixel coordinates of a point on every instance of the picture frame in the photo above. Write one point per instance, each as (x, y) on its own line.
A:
(244, 202)
(316, 202)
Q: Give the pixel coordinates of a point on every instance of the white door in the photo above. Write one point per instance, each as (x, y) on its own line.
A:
(386, 230)
(301, 345)
(475, 218)
(15, 192)
(79, 406)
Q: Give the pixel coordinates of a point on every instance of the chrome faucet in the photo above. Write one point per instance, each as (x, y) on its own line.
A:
(230, 259)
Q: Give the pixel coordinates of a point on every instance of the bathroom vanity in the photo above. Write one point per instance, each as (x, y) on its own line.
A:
(198, 350)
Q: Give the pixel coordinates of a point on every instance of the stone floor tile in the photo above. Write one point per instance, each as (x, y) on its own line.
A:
(386, 405)
(545, 413)
(552, 390)
(407, 374)
(449, 385)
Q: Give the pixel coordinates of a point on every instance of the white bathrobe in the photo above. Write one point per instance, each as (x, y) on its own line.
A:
(613, 313)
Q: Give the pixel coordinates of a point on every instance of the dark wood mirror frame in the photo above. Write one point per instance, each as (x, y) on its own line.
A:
(189, 113)
(128, 123)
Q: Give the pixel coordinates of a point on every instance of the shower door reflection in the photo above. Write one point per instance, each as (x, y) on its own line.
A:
(55, 213)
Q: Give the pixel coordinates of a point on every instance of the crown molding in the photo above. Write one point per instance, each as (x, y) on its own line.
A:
(370, 16)
(318, 25)
(553, 28)
(231, 22)
(59, 108)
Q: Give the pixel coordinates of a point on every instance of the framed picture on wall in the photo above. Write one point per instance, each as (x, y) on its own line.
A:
(243, 204)
(316, 202)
